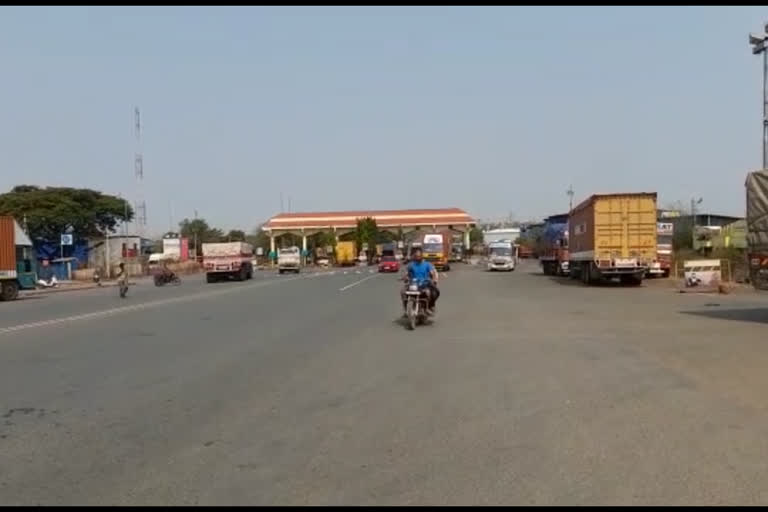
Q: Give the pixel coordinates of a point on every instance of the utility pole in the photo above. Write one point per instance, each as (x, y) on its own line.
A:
(138, 166)
(759, 42)
(195, 233)
(694, 202)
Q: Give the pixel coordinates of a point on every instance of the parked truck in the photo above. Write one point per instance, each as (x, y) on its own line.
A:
(436, 248)
(289, 260)
(662, 264)
(228, 260)
(346, 253)
(17, 263)
(757, 228)
(613, 235)
(553, 256)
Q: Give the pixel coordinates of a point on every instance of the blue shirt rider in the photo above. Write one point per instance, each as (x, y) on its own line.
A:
(425, 274)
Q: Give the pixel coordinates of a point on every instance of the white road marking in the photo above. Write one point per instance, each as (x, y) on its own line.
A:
(358, 282)
(139, 307)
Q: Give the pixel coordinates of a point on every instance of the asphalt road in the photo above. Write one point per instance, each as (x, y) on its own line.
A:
(308, 390)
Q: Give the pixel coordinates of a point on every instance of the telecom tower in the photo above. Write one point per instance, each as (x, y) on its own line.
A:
(138, 165)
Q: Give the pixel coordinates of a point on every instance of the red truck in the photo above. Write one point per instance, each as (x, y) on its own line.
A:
(553, 255)
(228, 260)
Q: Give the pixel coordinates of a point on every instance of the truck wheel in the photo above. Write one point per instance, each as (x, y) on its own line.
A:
(280, 271)
(10, 290)
(210, 278)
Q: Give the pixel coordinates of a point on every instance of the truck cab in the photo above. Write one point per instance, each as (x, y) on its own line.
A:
(436, 248)
(501, 256)
(289, 260)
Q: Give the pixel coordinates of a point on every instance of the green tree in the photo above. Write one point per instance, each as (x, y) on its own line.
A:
(367, 232)
(235, 235)
(47, 212)
(475, 236)
(199, 232)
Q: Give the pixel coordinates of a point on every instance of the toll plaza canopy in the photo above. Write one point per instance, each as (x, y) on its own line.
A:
(307, 224)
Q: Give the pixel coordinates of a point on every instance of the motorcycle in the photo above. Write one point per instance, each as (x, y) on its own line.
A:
(416, 304)
(164, 278)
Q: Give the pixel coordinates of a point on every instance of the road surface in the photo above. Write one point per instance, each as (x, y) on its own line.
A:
(308, 389)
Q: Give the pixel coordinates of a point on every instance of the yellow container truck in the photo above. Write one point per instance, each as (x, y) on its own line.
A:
(613, 235)
(346, 253)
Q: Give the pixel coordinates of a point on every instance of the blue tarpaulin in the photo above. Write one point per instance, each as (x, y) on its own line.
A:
(52, 251)
(555, 231)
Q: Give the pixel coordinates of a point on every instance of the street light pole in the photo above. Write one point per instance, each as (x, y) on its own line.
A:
(759, 42)
(765, 108)
(694, 202)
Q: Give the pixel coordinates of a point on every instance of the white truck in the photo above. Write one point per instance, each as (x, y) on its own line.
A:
(289, 260)
(228, 260)
(502, 255)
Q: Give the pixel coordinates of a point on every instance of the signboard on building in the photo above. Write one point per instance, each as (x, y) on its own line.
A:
(184, 249)
(665, 228)
(669, 214)
(172, 248)
(259, 251)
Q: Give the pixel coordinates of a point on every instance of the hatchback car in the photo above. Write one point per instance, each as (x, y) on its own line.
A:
(389, 264)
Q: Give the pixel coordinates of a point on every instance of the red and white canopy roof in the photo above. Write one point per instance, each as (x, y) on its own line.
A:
(384, 219)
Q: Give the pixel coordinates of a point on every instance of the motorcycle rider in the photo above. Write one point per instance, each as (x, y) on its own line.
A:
(425, 274)
(168, 274)
(121, 274)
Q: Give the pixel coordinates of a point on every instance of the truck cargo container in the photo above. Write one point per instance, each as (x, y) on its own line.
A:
(228, 260)
(757, 228)
(17, 263)
(613, 235)
(346, 253)
(553, 255)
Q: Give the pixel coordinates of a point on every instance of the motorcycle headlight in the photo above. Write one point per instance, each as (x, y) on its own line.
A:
(413, 288)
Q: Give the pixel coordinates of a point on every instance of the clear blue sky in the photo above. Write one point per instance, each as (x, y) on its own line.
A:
(489, 109)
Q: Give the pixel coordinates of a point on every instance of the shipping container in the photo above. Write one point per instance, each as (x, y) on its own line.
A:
(227, 249)
(7, 246)
(17, 263)
(346, 253)
(613, 235)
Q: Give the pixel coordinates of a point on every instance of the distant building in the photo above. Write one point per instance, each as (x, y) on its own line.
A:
(713, 231)
(494, 235)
